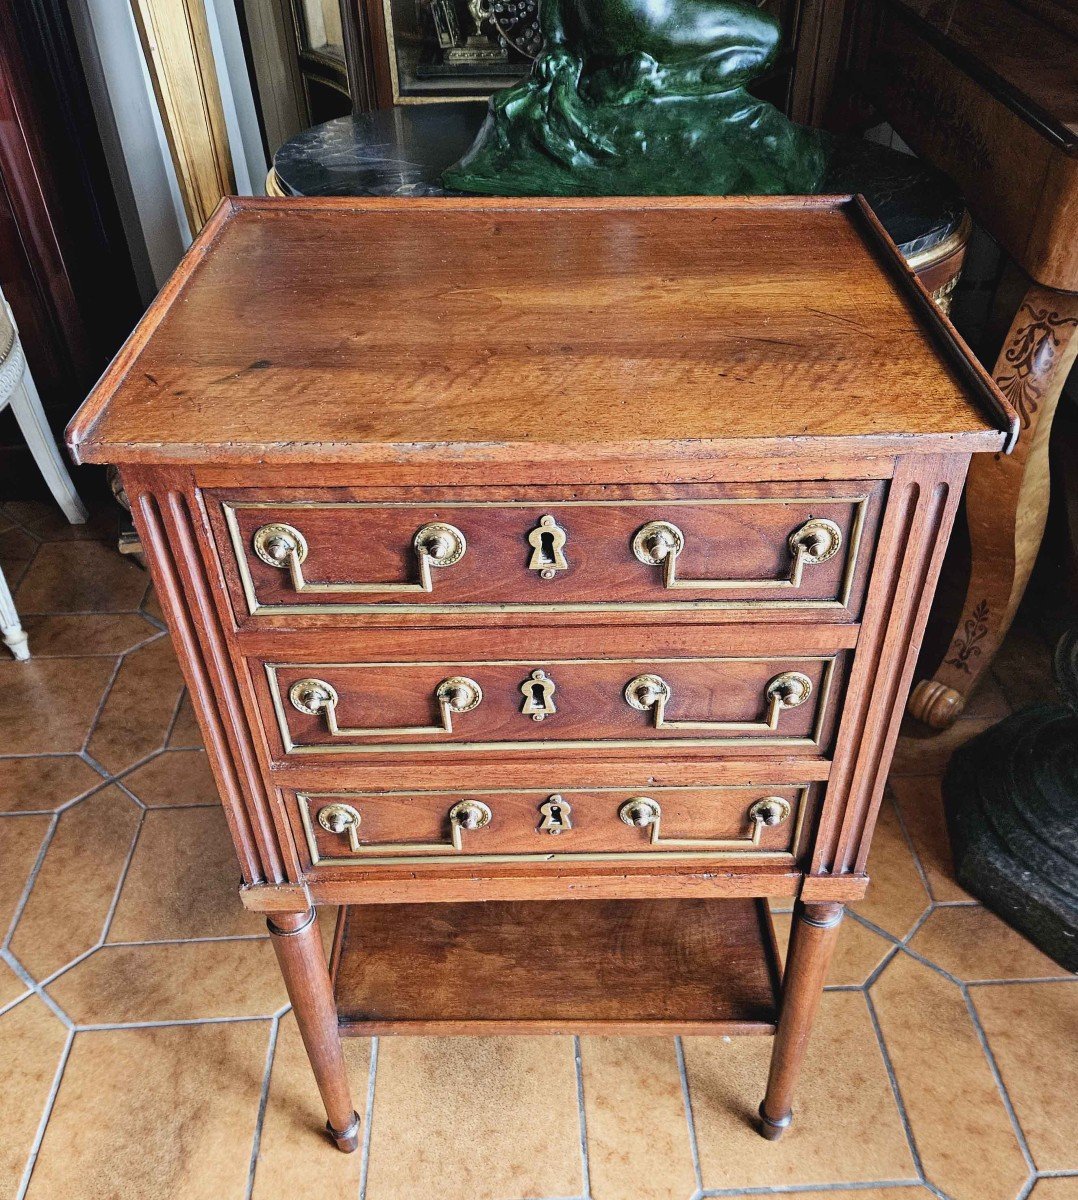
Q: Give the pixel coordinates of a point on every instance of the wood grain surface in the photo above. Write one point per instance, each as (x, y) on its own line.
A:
(676, 965)
(381, 330)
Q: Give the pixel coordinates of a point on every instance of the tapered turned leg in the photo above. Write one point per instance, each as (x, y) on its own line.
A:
(1006, 501)
(812, 942)
(298, 946)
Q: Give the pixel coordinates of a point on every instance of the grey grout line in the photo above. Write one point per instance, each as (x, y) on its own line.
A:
(110, 915)
(582, 1117)
(896, 808)
(896, 1091)
(795, 1189)
(69, 966)
(179, 1022)
(50, 1102)
(997, 1076)
(28, 886)
(92, 729)
(171, 726)
(263, 1098)
(217, 937)
(368, 1119)
(690, 1117)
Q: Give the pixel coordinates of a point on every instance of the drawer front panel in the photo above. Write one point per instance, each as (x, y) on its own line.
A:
(439, 707)
(375, 828)
(314, 556)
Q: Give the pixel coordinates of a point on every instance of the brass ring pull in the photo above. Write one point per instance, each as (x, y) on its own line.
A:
(454, 695)
(465, 815)
(643, 812)
(651, 693)
(468, 814)
(341, 818)
(659, 543)
(284, 547)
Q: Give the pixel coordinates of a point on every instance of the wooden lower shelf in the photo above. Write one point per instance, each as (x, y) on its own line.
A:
(577, 966)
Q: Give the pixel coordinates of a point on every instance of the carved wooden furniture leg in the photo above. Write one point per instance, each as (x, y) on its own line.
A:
(1006, 501)
(298, 946)
(812, 943)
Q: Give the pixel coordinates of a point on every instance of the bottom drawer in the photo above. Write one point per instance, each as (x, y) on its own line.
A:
(371, 828)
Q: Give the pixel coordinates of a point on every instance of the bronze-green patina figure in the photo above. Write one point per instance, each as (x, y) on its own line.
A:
(643, 97)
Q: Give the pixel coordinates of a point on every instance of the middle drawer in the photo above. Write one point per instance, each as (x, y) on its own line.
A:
(757, 703)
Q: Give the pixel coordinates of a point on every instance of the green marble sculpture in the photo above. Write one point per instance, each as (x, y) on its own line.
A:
(643, 97)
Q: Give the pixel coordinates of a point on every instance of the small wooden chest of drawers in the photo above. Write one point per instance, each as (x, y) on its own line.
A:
(546, 566)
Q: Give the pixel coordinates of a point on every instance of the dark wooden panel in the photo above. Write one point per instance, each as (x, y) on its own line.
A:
(693, 966)
(591, 709)
(381, 330)
(416, 824)
(736, 533)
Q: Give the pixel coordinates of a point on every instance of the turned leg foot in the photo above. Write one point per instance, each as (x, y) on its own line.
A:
(298, 946)
(1006, 502)
(812, 942)
(773, 1130)
(346, 1140)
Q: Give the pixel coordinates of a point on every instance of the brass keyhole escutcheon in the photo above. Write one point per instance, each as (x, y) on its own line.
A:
(557, 815)
(547, 541)
(538, 691)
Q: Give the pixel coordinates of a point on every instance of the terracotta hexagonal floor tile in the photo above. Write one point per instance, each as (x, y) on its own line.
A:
(17, 548)
(175, 777)
(921, 804)
(858, 953)
(47, 705)
(81, 576)
(201, 1083)
(972, 944)
(11, 986)
(32, 1042)
(186, 734)
(178, 981)
(183, 881)
(75, 635)
(846, 1129)
(295, 1158)
(955, 1109)
(140, 708)
(46, 521)
(896, 894)
(1032, 1029)
(650, 1159)
(76, 883)
(515, 1097)
(42, 784)
(1056, 1189)
(21, 838)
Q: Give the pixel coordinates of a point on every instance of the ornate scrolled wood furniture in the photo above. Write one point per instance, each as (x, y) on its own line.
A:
(987, 90)
(548, 610)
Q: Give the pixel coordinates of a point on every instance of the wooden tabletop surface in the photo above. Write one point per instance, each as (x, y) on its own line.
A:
(490, 330)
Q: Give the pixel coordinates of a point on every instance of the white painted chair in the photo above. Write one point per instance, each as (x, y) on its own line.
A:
(17, 390)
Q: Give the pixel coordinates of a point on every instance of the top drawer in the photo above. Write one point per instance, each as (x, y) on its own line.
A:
(769, 546)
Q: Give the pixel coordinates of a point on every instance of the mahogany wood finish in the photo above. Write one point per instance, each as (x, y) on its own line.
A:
(591, 709)
(732, 533)
(586, 821)
(606, 379)
(298, 946)
(987, 90)
(616, 966)
(812, 943)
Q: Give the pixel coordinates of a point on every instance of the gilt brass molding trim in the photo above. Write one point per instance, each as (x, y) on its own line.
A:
(255, 608)
(718, 849)
(295, 748)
